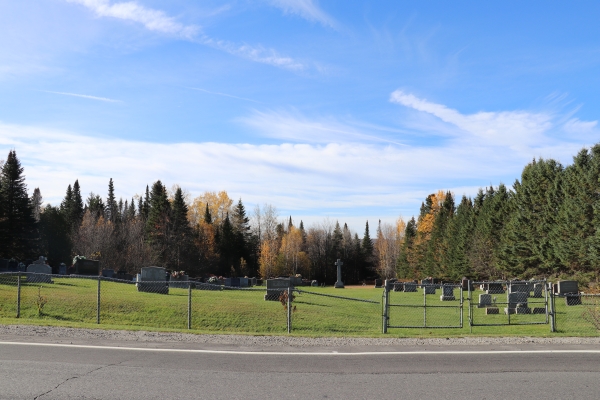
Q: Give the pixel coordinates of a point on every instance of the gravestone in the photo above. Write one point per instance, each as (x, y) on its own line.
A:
(484, 300)
(62, 269)
(564, 287)
(276, 287)
(447, 293)
(398, 287)
(314, 283)
(3, 265)
(252, 282)
(538, 290)
(517, 303)
(465, 284)
(153, 280)
(492, 310)
(13, 265)
(181, 282)
(339, 284)
(573, 299)
(296, 281)
(495, 288)
(39, 273)
(428, 286)
(232, 282)
(410, 287)
(108, 273)
(378, 283)
(20, 267)
(243, 282)
(87, 267)
(519, 288)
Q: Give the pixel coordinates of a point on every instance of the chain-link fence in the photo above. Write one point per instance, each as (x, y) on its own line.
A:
(405, 308)
(577, 314)
(501, 303)
(318, 312)
(411, 305)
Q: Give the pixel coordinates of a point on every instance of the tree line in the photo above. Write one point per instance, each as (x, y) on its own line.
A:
(544, 225)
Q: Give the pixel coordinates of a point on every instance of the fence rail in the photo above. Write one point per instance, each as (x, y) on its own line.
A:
(203, 307)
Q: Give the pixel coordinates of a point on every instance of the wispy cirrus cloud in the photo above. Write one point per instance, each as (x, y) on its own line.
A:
(291, 125)
(255, 53)
(307, 9)
(154, 20)
(84, 96)
(158, 21)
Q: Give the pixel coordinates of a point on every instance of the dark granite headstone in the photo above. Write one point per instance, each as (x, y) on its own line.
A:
(108, 273)
(378, 283)
(495, 288)
(275, 287)
(87, 267)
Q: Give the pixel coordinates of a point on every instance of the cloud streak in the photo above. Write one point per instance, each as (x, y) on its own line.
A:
(84, 96)
(307, 9)
(153, 20)
(159, 21)
(224, 94)
(295, 127)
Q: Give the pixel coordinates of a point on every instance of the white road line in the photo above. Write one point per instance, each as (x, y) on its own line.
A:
(283, 353)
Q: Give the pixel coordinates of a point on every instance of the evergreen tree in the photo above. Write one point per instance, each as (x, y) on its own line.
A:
(158, 224)
(458, 241)
(77, 209)
(367, 252)
(207, 215)
(66, 206)
(112, 208)
(54, 234)
(526, 249)
(95, 205)
(17, 224)
(183, 236)
(405, 267)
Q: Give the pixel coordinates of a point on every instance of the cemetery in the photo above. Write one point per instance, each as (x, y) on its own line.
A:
(159, 300)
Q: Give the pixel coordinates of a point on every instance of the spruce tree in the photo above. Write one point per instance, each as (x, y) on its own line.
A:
(158, 224)
(367, 252)
(112, 208)
(77, 209)
(17, 224)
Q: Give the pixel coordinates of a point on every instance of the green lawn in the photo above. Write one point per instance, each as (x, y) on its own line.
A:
(72, 302)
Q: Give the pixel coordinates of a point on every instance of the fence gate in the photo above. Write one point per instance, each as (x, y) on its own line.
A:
(502, 303)
(412, 305)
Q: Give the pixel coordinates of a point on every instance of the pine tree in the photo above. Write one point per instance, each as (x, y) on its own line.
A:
(182, 238)
(158, 224)
(17, 224)
(95, 205)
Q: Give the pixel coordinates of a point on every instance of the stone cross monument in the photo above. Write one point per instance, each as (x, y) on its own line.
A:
(339, 284)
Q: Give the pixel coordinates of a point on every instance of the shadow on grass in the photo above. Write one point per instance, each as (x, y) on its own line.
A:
(310, 304)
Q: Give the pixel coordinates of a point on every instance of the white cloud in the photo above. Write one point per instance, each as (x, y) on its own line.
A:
(154, 20)
(85, 96)
(255, 53)
(347, 179)
(159, 21)
(295, 127)
(307, 9)
(515, 129)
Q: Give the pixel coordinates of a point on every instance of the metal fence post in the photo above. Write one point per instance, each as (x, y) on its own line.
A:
(98, 302)
(469, 294)
(386, 300)
(552, 309)
(189, 305)
(19, 295)
(289, 310)
(425, 306)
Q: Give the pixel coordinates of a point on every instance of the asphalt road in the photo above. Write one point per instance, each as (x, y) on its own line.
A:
(166, 371)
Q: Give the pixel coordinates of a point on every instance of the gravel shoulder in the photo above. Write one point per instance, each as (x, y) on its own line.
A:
(48, 334)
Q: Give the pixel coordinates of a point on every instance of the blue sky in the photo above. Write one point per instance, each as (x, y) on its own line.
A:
(350, 110)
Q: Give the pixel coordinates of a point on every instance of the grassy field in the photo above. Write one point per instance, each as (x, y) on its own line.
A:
(72, 302)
